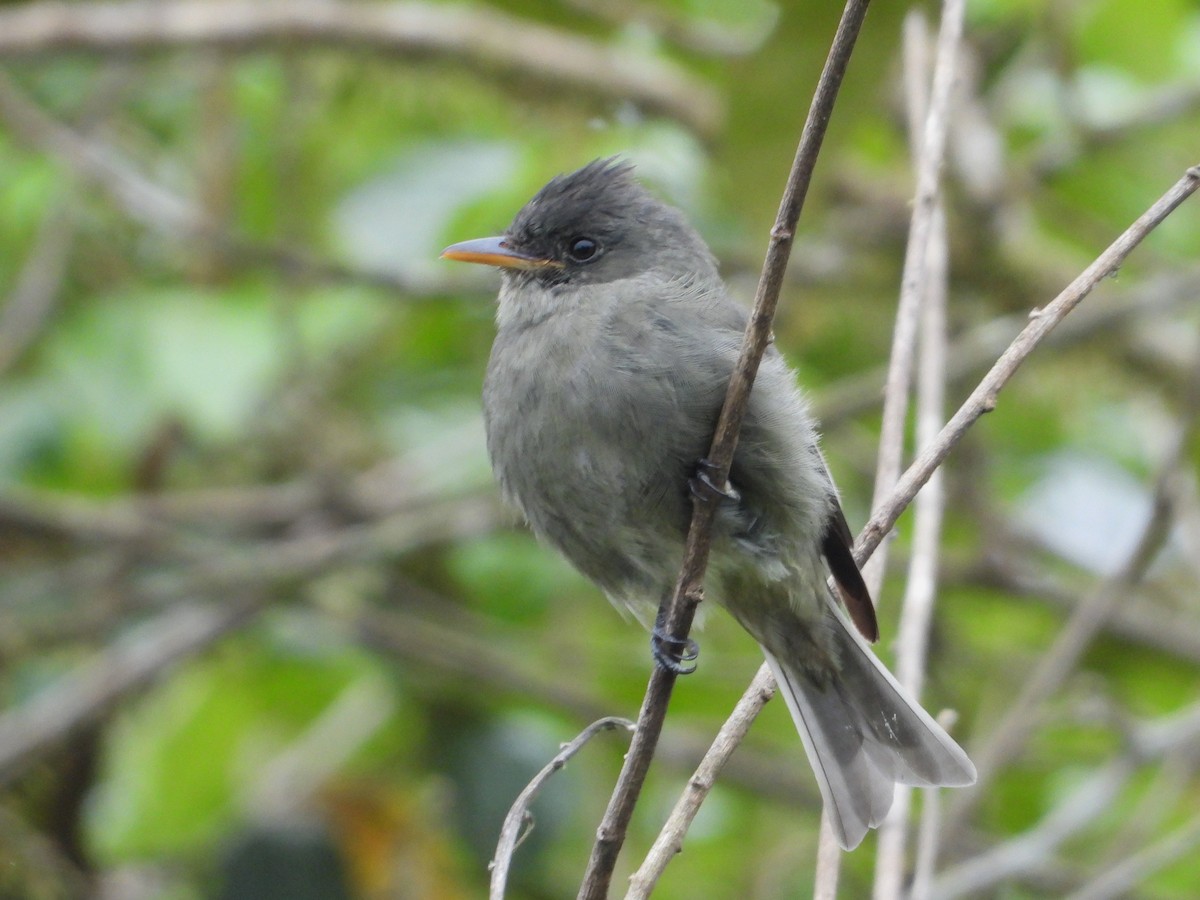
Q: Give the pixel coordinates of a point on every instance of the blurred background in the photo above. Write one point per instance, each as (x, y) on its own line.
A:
(265, 630)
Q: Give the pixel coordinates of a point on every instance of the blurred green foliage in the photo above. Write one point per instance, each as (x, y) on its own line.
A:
(316, 337)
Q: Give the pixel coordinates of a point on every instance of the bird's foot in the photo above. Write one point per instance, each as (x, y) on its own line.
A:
(671, 653)
(704, 487)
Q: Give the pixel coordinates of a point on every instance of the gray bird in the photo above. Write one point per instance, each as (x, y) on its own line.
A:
(615, 343)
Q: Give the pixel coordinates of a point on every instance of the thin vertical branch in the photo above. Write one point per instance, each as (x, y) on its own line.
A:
(915, 273)
(519, 819)
(917, 609)
(688, 591)
(913, 636)
(929, 834)
(829, 861)
(916, 615)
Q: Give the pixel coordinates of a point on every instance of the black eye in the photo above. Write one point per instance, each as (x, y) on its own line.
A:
(581, 249)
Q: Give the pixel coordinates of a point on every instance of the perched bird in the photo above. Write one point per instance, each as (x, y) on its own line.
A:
(615, 342)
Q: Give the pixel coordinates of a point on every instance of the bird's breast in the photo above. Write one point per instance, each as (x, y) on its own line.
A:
(577, 443)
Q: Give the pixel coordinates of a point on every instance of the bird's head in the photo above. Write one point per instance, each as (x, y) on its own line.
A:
(592, 226)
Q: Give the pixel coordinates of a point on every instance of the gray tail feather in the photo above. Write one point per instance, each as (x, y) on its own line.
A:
(863, 735)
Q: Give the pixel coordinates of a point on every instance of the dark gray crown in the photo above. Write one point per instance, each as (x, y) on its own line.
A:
(603, 194)
(633, 231)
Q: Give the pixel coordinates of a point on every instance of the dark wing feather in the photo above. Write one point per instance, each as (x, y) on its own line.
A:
(836, 544)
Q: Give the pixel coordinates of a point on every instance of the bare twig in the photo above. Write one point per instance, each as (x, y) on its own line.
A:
(84, 695)
(915, 274)
(1150, 623)
(466, 647)
(519, 818)
(829, 861)
(688, 591)
(1080, 808)
(398, 484)
(921, 590)
(161, 210)
(930, 831)
(1090, 799)
(478, 37)
(1123, 878)
(1042, 322)
(1167, 790)
(694, 33)
(32, 299)
(978, 347)
(1086, 620)
(197, 568)
(74, 518)
(308, 554)
(1156, 105)
(670, 839)
(144, 200)
(287, 782)
(917, 609)
(756, 694)
(469, 647)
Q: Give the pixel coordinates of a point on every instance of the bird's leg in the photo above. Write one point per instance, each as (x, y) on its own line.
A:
(669, 652)
(703, 487)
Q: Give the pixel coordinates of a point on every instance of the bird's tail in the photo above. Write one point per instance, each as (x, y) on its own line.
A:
(863, 735)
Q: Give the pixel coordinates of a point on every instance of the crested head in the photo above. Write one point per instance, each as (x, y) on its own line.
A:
(599, 224)
(603, 193)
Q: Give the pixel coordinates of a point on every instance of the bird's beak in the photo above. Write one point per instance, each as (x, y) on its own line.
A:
(495, 251)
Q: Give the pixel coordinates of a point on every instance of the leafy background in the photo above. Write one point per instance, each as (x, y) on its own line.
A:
(239, 392)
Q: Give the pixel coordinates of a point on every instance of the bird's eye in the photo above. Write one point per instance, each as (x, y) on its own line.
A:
(581, 249)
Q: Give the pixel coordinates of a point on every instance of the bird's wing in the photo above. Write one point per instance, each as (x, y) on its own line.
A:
(837, 545)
